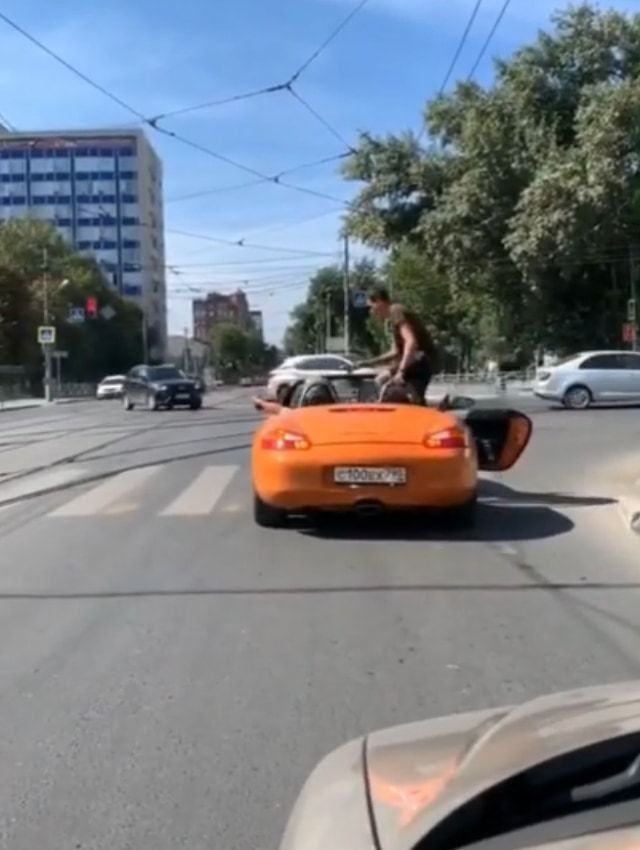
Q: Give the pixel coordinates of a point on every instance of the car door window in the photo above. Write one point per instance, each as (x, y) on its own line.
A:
(630, 361)
(602, 362)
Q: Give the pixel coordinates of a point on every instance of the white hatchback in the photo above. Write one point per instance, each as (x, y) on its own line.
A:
(593, 377)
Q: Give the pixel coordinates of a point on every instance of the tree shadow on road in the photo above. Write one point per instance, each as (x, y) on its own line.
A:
(504, 515)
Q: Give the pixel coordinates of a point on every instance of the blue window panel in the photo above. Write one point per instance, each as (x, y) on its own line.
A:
(84, 245)
(83, 199)
(17, 154)
(83, 175)
(37, 178)
(131, 267)
(63, 222)
(129, 199)
(38, 199)
(130, 243)
(130, 221)
(19, 200)
(59, 199)
(103, 199)
(106, 175)
(131, 289)
(128, 175)
(17, 178)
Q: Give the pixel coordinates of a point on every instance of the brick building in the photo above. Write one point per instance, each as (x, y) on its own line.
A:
(217, 309)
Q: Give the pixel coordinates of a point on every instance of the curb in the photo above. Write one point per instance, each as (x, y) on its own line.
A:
(629, 507)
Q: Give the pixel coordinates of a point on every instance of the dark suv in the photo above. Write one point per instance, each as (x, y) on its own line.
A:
(159, 386)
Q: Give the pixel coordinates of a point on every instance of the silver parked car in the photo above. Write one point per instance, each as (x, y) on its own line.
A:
(593, 377)
(110, 387)
(309, 366)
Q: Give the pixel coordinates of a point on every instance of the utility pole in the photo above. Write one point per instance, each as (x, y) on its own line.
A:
(45, 316)
(347, 296)
(632, 306)
(327, 319)
(144, 337)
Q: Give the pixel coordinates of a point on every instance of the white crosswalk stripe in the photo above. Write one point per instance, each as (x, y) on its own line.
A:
(202, 495)
(108, 497)
(127, 492)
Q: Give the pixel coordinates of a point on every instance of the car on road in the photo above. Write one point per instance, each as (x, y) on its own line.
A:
(558, 771)
(592, 377)
(160, 386)
(308, 366)
(110, 387)
(348, 452)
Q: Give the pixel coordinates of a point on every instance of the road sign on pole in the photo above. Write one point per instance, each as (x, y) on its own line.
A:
(359, 299)
(46, 335)
(76, 315)
(629, 332)
(107, 312)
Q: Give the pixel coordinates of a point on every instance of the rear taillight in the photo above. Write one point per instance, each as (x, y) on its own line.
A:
(448, 438)
(282, 440)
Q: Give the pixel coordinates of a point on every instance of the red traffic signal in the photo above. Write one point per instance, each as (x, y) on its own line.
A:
(92, 307)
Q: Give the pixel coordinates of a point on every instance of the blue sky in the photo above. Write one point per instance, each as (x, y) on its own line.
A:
(159, 55)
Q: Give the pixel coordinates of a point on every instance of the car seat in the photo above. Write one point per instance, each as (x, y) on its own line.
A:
(318, 392)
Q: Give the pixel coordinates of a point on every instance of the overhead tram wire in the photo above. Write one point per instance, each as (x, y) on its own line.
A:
(456, 55)
(177, 136)
(222, 189)
(489, 39)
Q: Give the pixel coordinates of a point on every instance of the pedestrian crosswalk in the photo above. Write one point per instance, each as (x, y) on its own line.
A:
(153, 488)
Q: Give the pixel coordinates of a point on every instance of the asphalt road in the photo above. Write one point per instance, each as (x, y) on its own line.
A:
(169, 673)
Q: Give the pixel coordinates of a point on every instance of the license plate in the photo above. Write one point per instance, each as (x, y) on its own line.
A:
(387, 475)
(183, 396)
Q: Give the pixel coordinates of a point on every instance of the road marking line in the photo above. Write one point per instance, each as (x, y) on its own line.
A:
(202, 495)
(103, 499)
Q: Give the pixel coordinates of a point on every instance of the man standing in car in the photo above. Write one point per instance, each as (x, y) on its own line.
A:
(413, 356)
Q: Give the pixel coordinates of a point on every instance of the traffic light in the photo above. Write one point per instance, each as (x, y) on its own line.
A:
(92, 307)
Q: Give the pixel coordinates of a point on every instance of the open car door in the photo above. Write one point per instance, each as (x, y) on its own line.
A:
(501, 437)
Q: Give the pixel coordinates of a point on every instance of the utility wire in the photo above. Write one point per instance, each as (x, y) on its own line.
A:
(456, 56)
(460, 47)
(488, 40)
(71, 68)
(7, 123)
(153, 122)
(320, 50)
(221, 189)
(319, 118)
(221, 102)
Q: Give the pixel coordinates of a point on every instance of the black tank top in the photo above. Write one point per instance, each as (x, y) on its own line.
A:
(425, 344)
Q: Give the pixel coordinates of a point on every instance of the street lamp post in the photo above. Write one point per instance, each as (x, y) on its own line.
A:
(45, 310)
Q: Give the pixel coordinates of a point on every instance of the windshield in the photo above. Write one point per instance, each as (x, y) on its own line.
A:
(107, 382)
(165, 373)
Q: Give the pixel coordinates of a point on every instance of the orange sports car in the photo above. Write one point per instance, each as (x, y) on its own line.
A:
(347, 452)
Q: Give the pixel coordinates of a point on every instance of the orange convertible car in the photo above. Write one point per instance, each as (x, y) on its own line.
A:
(346, 452)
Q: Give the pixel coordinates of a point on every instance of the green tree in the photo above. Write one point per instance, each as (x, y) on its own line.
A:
(95, 347)
(526, 201)
(322, 312)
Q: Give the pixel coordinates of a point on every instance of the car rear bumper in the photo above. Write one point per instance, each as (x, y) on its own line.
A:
(304, 480)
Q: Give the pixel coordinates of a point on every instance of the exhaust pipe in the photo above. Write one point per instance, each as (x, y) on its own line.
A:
(369, 510)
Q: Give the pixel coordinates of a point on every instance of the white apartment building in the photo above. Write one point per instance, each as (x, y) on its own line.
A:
(102, 189)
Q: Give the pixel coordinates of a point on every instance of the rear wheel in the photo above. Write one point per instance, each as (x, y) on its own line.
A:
(282, 393)
(267, 516)
(196, 404)
(577, 398)
(462, 517)
(127, 403)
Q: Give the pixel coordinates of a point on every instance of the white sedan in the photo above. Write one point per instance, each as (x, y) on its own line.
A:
(110, 387)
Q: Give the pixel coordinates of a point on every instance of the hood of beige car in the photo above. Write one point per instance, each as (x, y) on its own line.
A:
(420, 773)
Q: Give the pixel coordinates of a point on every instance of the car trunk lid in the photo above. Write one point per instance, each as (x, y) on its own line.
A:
(376, 423)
